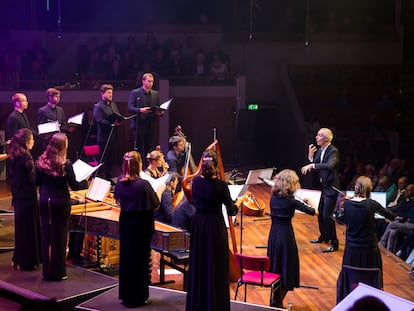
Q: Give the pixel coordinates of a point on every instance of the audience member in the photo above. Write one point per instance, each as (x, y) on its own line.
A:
(388, 187)
(218, 70)
(368, 303)
(399, 195)
(403, 224)
(347, 170)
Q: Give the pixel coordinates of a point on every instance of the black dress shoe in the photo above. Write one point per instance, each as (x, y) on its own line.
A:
(331, 248)
(319, 240)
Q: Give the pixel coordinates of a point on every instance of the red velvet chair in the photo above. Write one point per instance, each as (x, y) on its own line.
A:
(92, 152)
(256, 274)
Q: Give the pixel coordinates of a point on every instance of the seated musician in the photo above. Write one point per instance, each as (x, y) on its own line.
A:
(165, 212)
(157, 166)
(176, 157)
(183, 214)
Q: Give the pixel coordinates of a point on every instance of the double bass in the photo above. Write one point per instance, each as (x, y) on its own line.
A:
(187, 183)
(189, 164)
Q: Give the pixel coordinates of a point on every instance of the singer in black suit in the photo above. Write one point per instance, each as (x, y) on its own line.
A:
(107, 130)
(140, 102)
(18, 118)
(325, 161)
(51, 112)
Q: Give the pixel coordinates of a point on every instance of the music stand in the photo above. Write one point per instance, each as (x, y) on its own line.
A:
(97, 191)
(253, 178)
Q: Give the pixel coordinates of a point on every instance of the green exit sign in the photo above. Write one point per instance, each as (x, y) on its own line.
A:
(252, 107)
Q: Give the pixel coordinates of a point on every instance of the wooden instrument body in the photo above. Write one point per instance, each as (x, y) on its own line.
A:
(234, 273)
(252, 206)
(100, 218)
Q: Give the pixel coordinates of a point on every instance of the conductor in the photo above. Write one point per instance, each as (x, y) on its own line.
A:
(325, 161)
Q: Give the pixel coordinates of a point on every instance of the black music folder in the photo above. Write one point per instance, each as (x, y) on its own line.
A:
(163, 107)
(116, 116)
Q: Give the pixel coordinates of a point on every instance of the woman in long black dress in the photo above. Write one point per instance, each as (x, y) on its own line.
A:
(282, 249)
(361, 243)
(136, 227)
(54, 172)
(26, 209)
(208, 280)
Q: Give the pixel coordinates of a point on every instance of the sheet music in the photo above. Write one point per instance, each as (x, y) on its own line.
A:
(235, 191)
(154, 182)
(83, 170)
(49, 127)
(76, 119)
(380, 197)
(314, 195)
(98, 189)
(256, 176)
(166, 104)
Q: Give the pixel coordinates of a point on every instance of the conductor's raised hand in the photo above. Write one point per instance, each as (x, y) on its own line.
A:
(307, 168)
(311, 152)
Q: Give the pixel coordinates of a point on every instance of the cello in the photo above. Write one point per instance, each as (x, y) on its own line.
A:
(234, 271)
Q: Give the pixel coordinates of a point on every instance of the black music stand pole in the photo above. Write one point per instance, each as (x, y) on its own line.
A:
(105, 148)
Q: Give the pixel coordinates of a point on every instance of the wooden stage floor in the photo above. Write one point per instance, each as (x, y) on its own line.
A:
(319, 271)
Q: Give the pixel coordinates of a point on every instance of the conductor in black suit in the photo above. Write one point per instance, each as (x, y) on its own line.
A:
(325, 161)
(51, 112)
(141, 101)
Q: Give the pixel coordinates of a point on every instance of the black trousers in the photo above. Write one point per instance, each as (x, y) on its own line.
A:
(325, 218)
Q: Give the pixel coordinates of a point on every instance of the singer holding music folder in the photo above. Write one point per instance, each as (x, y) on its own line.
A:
(107, 136)
(51, 112)
(141, 102)
(325, 161)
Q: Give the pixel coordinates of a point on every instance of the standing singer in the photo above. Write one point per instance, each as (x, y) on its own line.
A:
(141, 101)
(107, 131)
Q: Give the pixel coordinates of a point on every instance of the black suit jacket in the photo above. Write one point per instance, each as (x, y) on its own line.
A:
(101, 111)
(48, 114)
(16, 121)
(138, 98)
(328, 169)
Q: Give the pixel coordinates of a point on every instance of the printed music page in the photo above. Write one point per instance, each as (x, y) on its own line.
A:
(83, 170)
(154, 182)
(76, 119)
(163, 107)
(314, 195)
(49, 127)
(98, 189)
